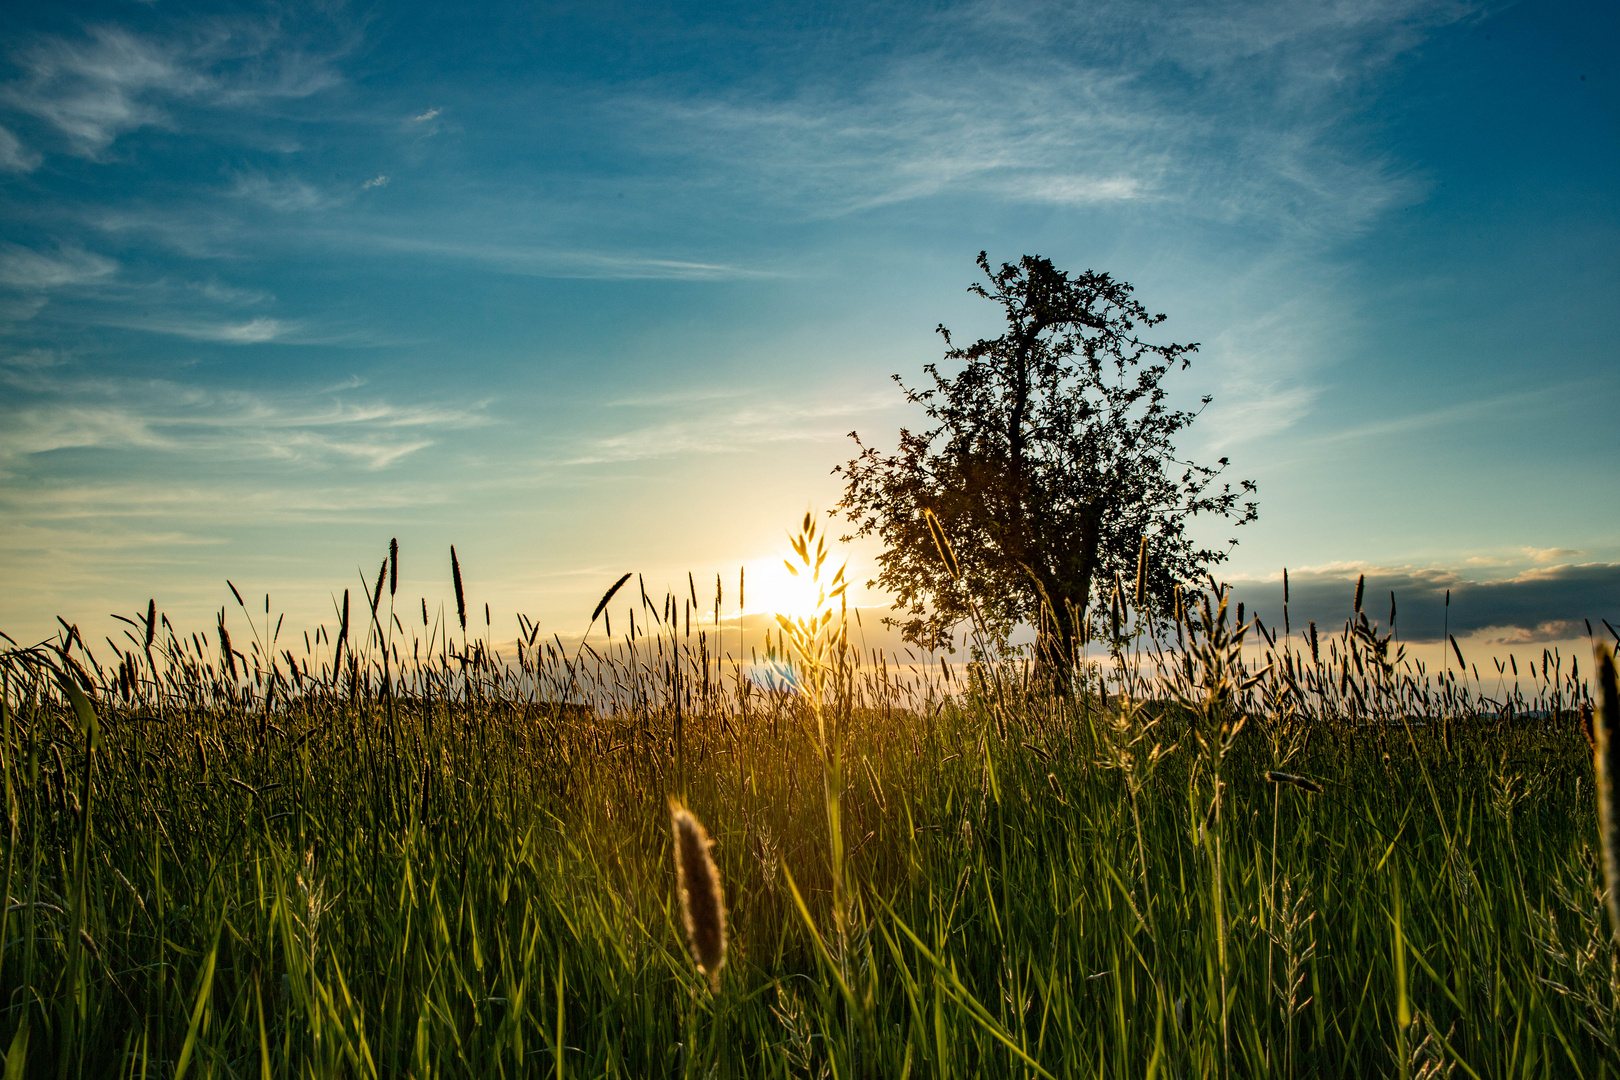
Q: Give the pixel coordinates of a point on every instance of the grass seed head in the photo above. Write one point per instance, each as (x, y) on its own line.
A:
(1606, 760)
(703, 906)
(942, 544)
(1294, 781)
(461, 596)
(1141, 574)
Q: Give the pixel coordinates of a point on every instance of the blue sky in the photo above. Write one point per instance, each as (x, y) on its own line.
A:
(583, 288)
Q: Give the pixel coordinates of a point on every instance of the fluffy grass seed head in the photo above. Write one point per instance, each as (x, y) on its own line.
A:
(703, 905)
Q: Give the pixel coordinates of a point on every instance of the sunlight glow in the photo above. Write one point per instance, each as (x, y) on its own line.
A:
(773, 590)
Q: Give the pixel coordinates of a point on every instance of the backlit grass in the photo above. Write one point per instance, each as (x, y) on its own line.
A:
(419, 857)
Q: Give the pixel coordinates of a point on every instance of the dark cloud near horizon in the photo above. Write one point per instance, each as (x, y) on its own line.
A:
(1537, 605)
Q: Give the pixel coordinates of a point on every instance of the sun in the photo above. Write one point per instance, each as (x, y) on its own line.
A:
(804, 580)
(773, 590)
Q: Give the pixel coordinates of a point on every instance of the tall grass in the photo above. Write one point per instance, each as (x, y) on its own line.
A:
(1223, 851)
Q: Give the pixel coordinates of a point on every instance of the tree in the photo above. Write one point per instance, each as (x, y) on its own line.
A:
(1049, 459)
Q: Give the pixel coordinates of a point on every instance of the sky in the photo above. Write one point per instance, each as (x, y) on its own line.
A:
(588, 288)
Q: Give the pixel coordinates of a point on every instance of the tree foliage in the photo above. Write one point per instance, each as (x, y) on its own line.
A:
(1049, 457)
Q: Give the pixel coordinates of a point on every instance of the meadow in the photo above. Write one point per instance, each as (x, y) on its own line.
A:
(390, 849)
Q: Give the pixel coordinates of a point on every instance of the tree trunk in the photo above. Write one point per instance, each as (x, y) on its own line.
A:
(1067, 596)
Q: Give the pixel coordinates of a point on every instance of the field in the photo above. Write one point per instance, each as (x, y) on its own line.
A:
(397, 852)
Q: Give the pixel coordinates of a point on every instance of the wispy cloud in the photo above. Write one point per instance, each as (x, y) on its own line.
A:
(913, 134)
(1226, 113)
(1261, 366)
(92, 289)
(677, 397)
(256, 331)
(94, 88)
(1265, 390)
(51, 409)
(27, 268)
(427, 124)
(1519, 402)
(541, 260)
(286, 195)
(32, 360)
(14, 156)
(96, 514)
(728, 427)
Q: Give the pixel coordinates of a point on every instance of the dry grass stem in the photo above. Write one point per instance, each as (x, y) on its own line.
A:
(1606, 763)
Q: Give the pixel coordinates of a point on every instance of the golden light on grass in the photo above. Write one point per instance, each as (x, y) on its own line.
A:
(567, 746)
(1606, 764)
(697, 882)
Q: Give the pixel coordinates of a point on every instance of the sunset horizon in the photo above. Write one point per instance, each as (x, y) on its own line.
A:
(280, 289)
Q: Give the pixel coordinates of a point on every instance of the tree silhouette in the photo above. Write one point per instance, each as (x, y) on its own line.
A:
(1050, 459)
